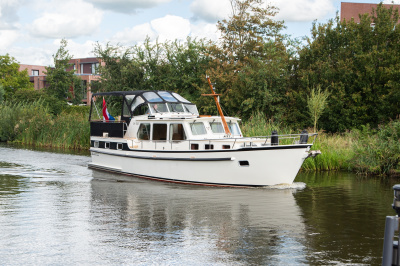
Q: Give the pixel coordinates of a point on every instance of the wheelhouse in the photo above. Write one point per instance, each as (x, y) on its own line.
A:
(137, 103)
(159, 119)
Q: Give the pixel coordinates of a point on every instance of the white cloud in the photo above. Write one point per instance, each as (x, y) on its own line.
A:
(131, 36)
(289, 10)
(8, 13)
(303, 10)
(78, 50)
(211, 10)
(42, 55)
(33, 55)
(126, 6)
(7, 39)
(171, 27)
(69, 19)
(206, 30)
(165, 28)
(396, 2)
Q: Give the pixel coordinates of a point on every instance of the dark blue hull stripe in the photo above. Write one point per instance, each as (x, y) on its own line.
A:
(164, 158)
(112, 170)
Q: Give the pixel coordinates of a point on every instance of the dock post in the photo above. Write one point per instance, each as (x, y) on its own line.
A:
(390, 255)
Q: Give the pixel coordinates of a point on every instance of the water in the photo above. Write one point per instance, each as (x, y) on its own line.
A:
(54, 210)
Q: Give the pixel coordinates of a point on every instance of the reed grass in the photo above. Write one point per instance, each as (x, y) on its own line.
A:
(259, 125)
(336, 148)
(33, 124)
(377, 151)
(336, 153)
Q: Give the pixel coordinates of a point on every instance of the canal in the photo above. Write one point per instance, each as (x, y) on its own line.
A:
(54, 210)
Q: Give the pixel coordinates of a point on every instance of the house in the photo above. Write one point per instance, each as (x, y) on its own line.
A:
(37, 75)
(350, 11)
(84, 68)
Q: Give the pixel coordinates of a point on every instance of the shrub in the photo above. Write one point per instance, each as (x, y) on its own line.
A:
(377, 151)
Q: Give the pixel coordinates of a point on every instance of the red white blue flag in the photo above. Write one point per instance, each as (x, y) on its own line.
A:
(106, 115)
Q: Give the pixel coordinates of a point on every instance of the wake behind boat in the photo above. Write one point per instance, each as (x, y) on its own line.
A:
(160, 135)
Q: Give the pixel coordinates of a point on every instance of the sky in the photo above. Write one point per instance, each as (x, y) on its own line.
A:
(30, 31)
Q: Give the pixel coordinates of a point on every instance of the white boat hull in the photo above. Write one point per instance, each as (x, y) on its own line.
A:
(266, 166)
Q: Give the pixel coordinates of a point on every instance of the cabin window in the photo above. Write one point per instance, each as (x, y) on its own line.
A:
(127, 103)
(159, 131)
(180, 98)
(144, 132)
(142, 109)
(119, 146)
(198, 128)
(194, 146)
(217, 127)
(107, 145)
(226, 147)
(152, 97)
(209, 146)
(176, 132)
(138, 101)
(234, 128)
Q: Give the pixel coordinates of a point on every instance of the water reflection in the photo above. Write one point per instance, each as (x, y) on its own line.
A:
(56, 211)
(257, 226)
(344, 217)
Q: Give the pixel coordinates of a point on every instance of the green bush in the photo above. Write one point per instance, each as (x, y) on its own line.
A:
(377, 151)
(77, 109)
(54, 105)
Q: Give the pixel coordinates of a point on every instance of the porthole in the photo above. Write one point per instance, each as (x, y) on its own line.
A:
(244, 163)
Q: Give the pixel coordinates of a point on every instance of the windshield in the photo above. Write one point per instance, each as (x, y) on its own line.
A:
(234, 128)
(191, 108)
(158, 108)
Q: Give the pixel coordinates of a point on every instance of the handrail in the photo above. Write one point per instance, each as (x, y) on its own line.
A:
(244, 140)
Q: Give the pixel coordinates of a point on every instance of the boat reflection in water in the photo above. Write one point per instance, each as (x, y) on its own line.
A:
(171, 223)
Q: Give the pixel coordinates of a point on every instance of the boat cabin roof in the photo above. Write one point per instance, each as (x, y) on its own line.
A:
(152, 102)
(148, 96)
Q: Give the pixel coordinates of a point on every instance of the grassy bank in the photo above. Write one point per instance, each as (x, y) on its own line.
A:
(33, 124)
(336, 149)
(365, 151)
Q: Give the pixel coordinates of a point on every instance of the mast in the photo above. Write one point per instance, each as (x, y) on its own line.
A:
(226, 128)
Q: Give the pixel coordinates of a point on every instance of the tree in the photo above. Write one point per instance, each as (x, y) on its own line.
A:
(174, 66)
(248, 28)
(359, 63)
(11, 78)
(60, 78)
(316, 104)
(250, 64)
(2, 92)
